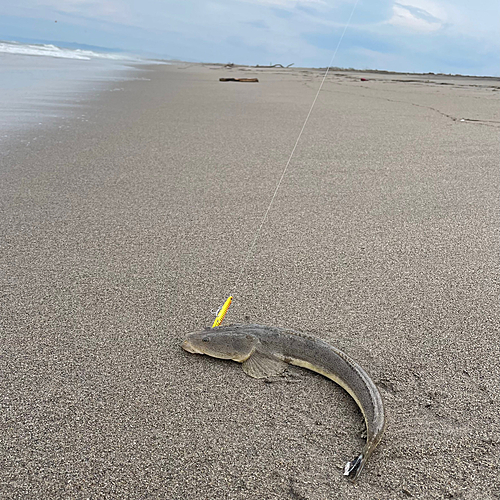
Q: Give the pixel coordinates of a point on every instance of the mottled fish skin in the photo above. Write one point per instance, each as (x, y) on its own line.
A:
(264, 350)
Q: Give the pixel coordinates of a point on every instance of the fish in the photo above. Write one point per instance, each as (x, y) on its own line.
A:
(265, 351)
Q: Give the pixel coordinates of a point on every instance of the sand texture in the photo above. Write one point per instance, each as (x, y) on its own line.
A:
(121, 232)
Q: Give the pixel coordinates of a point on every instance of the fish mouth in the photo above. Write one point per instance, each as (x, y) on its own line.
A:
(187, 346)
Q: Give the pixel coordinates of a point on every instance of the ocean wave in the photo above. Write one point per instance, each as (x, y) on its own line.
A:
(50, 50)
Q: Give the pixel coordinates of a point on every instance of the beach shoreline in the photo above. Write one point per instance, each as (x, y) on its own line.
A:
(122, 232)
(38, 91)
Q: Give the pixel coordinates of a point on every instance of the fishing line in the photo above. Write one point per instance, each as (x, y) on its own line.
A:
(221, 311)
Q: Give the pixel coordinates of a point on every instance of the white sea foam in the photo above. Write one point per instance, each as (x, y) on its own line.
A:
(50, 50)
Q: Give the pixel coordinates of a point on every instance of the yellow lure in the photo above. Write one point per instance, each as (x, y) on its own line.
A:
(222, 312)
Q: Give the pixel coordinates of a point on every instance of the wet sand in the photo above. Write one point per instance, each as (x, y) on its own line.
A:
(122, 233)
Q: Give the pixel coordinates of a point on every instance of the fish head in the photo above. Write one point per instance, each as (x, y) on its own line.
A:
(221, 343)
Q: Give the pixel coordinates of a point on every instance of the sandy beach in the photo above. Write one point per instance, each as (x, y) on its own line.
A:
(120, 233)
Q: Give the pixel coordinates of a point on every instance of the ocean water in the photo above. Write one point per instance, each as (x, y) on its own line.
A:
(40, 83)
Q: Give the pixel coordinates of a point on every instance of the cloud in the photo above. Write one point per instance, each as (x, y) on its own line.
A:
(111, 10)
(420, 16)
(289, 4)
(260, 24)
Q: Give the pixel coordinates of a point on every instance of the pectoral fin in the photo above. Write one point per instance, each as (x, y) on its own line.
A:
(260, 365)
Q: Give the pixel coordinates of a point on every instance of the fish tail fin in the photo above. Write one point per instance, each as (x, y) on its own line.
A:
(354, 467)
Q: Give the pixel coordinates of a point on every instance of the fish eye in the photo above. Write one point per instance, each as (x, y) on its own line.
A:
(205, 339)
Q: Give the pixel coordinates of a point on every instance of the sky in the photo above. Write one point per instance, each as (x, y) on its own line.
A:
(439, 36)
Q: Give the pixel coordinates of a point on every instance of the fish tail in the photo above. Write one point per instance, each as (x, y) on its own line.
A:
(353, 468)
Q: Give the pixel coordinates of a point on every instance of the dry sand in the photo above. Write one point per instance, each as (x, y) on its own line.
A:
(121, 233)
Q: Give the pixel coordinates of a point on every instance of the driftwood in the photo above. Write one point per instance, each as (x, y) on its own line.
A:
(238, 80)
(275, 66)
